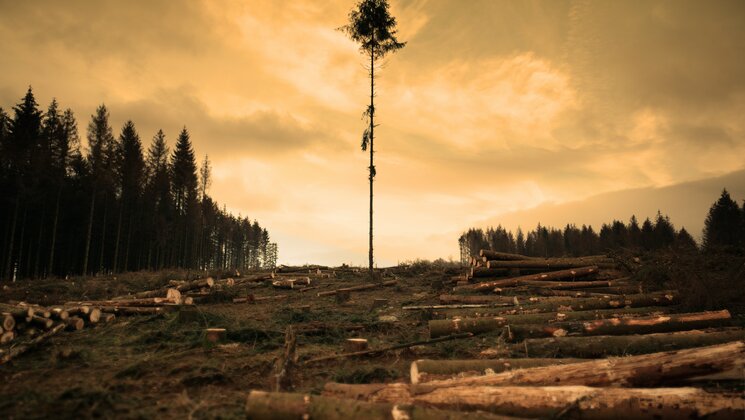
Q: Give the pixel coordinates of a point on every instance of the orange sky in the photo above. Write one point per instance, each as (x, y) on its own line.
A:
(493, 107)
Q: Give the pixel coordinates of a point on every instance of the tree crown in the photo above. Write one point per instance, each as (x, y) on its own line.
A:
(372, 26)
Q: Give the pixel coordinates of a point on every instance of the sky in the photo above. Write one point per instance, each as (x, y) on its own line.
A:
(496, 111)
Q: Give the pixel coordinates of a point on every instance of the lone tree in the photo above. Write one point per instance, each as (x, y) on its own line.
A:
(372, 26)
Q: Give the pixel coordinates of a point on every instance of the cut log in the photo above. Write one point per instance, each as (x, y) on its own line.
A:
(294, 283)
(79, 310)
(643, 371)
(354, 345)
(215, 335)
(536, 279)
(262, 405)
(429, 370)
(127, 310)
(552, 263)
(389, 348)
(479, 272)
(378, 303)
(106, 317)
(94, 315)
(564, 401)
(254, 278)
(358, 288)
(17, 312)
(22, 348)
(620, 326)
(567, 285)
(461, 306)
(504, 256)
(74, 323)
(657, 324)
(450, 299)
(7, 337)
(253, 299)
(59, 314)
(608, 302)
(129, 302)
(440, 328)
(8, 322)
(196, 284)
(604, 346)
(169, 293)
(41, 322)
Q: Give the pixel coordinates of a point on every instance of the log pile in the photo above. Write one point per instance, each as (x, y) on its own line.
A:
(559, 325)
(26, 325)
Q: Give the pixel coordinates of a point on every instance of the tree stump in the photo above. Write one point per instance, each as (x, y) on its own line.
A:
(355, 344)
(215, 335)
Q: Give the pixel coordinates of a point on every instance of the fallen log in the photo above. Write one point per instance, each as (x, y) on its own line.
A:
(262, 405)
(450, 299)
(22, 348)
(17, 312)
(429, 370)
(352, 345)
(553, 263)
(40, 322)
(253, 299)
(604, 346)
(486, 272)
(570, 274)
(7, 337)
(254, 278)
(504, 256)
(74, 323)
(168, 293)
(295, 283)
(657, 324)
(461, 306)
(196, 284)
(156, 301)
(132, 310)
(649, 370)
(357, 288)
(563, 401)
(59, 314)
(440, 328)
(389, 348)
(605, 302)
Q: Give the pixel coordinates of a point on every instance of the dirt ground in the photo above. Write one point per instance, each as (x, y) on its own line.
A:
(148, 366)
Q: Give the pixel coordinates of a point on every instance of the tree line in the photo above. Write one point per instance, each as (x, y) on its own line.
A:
(111, 207)
(724, 230)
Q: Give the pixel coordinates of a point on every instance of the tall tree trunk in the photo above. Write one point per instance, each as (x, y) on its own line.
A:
(103, 236)
(118, 236)
(11, 243)
(372, 167)
(50, 267)
(20, 271)
(88, 236)
(126, 248)
(37, 254)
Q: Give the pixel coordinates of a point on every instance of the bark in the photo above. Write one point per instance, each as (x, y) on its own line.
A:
(40, 322)
(604, 346)
(449, 299)
(254, 278)
(567, 285)
(385, 349)
(429, 370)
(262, 405)
(86, 254)
(20, 349)
(358, 288)
(566, 401)
(553, 263)
(59, 314)
(168, 293)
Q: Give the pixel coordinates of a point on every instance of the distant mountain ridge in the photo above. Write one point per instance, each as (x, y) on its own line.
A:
(686, 203)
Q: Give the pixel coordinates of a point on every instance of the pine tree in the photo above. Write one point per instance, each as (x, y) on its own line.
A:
(647, 235)
(684, 241)
(130, 174)
(723, 225)
(184, 190)
(372, 26)
(664, 232)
